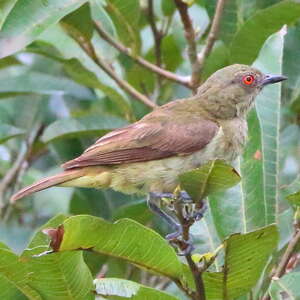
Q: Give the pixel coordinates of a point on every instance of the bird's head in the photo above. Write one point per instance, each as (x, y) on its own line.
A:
(233, 89)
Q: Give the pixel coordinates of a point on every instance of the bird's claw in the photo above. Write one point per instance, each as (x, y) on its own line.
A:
(186, 247)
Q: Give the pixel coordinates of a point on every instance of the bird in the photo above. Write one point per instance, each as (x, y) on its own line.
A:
(148, 156)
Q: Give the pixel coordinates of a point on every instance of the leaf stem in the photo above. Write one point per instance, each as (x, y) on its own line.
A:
(183, 80)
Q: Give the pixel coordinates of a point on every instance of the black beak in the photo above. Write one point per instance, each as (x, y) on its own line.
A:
(269, 79)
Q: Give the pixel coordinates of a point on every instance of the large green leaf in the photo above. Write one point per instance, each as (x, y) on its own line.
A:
(126, 289)
(268, 111)
(125, 239)
(246, 256)
(249, 39)
(287, 286)
(28, 19)
(8, 132)
(90, 125)
(212, 177)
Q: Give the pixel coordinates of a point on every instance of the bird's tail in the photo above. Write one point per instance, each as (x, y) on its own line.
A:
(47, 182)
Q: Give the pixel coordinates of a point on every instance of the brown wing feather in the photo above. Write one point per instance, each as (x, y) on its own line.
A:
(144, 141)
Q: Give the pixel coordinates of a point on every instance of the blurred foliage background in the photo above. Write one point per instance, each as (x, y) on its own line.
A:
(64, 83)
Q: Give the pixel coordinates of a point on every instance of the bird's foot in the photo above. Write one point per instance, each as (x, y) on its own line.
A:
(176, 240)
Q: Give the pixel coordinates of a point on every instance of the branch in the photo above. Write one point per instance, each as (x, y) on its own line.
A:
(191, 41)
(123, 84)
(157, 34)
(213, 33)
(183, 80)
(197, 274)
(18, 164)
(280, 270)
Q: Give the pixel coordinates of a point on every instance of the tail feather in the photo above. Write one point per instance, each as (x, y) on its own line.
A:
(46, 183)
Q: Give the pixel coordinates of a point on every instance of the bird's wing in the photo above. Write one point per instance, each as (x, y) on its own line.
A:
(148, 140)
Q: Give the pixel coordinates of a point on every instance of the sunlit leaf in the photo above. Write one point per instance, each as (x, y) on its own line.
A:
(28, 19)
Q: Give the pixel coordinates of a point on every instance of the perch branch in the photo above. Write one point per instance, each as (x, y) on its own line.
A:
(141, 61)
(197, 274)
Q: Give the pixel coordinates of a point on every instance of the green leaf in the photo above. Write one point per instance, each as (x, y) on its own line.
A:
(125, 239)
(212, 177)
(229, 20)
(138, 211)
(267, 106)
(125, 15)
(249, 39)
(45, 84)
(67, 272)
(294, 199)
(246, 256)
(78, 127)
(99, 14)
(14, 277)
(8, 132)
(79, 23)
(287, 286)
(126, 289)
(28, 19)
(5, 7)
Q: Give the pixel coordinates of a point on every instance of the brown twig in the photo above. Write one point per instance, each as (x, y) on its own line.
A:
(183, 80)
(191, 41)
(157, 34)
(12, 173)
(281, 268)
(283, 263)
(197, 273)
(87, 46)
(213, 33)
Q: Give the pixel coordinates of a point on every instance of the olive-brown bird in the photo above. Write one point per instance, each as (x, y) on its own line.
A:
(148, 155)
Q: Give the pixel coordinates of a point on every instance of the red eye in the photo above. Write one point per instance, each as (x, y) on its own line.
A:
(248, 79)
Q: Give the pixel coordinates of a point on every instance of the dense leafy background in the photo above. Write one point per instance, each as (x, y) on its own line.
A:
(52, 92)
